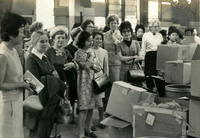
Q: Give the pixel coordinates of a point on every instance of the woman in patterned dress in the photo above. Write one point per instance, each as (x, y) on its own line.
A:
(128, 50)
(88, 65)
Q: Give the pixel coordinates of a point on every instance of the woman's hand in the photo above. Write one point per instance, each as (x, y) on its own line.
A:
(129, 62)
(96, 68)
(27, 86)
(139, 58)
(69, 66)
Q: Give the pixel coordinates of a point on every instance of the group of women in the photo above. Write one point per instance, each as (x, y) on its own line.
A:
(89, 54)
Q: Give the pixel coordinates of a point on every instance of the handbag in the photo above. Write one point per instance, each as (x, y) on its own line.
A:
(33, 105)
(135, 75)
(101, 83)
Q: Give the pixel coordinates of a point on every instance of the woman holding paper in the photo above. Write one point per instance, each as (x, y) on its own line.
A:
(11, 77)
(42, 68)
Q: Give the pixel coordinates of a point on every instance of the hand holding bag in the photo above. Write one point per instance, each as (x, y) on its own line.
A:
(101, 83)
(135, 74)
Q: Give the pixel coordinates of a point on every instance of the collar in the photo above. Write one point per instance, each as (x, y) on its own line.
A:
(37, 53)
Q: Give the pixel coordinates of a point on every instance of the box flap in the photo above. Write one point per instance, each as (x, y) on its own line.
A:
(196, 55)
(115, 122)
(129, 86)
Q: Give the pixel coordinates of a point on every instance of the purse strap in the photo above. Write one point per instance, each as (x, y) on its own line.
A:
(137, 63)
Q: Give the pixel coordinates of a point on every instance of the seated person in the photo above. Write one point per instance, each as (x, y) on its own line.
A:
(172, 35)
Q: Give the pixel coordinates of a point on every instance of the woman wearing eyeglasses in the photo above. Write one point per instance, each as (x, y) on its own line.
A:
(150, 42)
(153, 38)
(128, 50)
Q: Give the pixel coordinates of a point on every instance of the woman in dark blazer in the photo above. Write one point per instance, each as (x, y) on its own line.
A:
(42, 68)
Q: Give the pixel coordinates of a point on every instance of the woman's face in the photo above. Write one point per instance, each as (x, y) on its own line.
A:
(89, 42)
(173, 37)
(113, 25)
(126, 33)
(154, 28)
(140, 33)
(42, 44)
(98, 40)
(18, 39)
(90, 28)
(59, 40)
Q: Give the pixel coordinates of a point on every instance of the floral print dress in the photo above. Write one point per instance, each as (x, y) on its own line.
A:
(86, 97)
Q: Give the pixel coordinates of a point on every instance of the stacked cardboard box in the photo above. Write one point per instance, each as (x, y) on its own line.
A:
(194, 109)
(178, 72)
(171, 53)
(122, 96)
(152, 121)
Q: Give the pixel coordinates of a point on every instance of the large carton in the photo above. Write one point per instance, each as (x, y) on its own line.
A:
(193, 47)
(178, 72)
(122, 96)
(194, 118)
(195, 73)
(171, 53)
(118, 128)
(151, 121)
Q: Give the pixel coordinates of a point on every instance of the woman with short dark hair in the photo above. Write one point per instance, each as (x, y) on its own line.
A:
(11, 77)
(128, 50)
(88, 65)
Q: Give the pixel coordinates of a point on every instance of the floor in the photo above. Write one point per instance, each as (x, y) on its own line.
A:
(71, 131)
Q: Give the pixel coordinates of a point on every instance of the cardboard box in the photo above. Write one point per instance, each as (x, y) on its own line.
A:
(194, 118)
(178, 72)
(151, 121)
(193, 47)
(195, 75)
(122, 96)
(171, 53)
(118, 128)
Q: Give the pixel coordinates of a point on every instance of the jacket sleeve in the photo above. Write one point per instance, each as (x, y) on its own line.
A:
(32, 66)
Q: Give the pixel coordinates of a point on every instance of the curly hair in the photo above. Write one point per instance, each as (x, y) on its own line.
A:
(85, 23)
(82, 38)
(35, 26)
(125, 25)
(10, 25)
(111, 18)
(154, 21)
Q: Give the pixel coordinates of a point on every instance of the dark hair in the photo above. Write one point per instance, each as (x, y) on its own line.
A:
(82, 38)
(10, 25)
(139, 26)
(172, 29)
(76, 25)
(189, 30)
(85, 24)
(125, 25)
(97, 33)
(163, 32)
